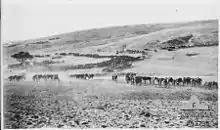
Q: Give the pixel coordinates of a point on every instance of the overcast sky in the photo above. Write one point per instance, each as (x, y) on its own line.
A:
(27, 19)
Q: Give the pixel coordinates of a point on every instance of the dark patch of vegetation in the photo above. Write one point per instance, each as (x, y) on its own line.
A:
(57, 57)
(141, 32)
(186, 38)
(40, 56)
(205, 40)
(39, 42)
(208, 44)
(179, 42)
(86, 55)
(192, 54)
(171, 49)
(173, 42)
(107, 70)
(42, 42)
(119, 62)
(146, 49)
(47, 62)
(74, 41)
(63, 54)
(12, 45)
(182, 42)
(54, 38)
(22, 56)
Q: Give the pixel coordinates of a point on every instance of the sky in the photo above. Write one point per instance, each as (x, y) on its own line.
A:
(29, 19)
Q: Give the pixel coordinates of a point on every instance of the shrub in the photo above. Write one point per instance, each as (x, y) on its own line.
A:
(22, 56)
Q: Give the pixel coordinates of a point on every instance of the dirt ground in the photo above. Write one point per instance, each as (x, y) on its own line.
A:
(101, 103)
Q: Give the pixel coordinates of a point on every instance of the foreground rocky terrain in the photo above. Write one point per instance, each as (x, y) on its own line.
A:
(91, 104)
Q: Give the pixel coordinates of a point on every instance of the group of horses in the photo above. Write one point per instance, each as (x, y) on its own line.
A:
(135, 79)
(135, 51)
(130, 78)
(16, 78)
(83, 76)
(211, 84)
(53, 77)
(129, 51)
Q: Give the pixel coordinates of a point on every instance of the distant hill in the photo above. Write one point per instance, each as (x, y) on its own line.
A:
(116, 38)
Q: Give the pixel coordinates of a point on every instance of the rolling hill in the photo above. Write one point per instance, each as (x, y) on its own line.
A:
(115, 38)
(187, 48)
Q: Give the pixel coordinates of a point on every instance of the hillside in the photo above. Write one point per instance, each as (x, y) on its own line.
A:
(111, 38)
(167, 47)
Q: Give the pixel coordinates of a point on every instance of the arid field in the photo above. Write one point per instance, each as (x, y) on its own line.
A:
(174, 50)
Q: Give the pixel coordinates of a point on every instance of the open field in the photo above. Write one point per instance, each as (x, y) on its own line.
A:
(170, 50)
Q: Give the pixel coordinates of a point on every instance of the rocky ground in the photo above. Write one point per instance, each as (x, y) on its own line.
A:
(59, 107)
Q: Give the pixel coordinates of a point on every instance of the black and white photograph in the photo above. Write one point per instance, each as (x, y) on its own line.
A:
(81, 64)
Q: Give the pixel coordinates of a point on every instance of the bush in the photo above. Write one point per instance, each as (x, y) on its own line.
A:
(22, 56)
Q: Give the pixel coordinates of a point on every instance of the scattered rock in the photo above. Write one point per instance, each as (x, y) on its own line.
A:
(120, 114)
(142, 125)
(77, 122)
(157, 119)
(146, 114)
(167, 121)
(60, 125)
(104, 126)
(29, 123)
(35, 116)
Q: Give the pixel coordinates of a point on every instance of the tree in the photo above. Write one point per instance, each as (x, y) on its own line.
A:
(22, 56)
